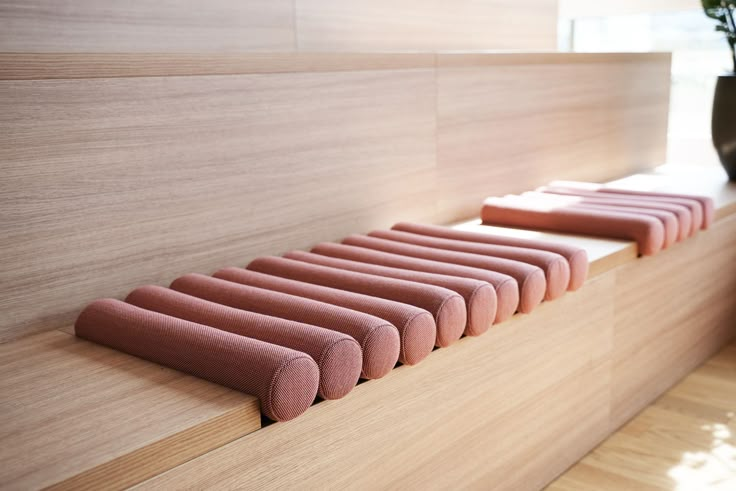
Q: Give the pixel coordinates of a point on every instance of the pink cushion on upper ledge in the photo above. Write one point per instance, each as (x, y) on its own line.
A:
(447, 307)
(706, 203)
(687, 227)
(297, 309)
(416, 328)
(647, 231)
(337, 355)
(530, 279)
(284, 380)
(555, 267)
(507, 290)
(480, 297)
(576, 257)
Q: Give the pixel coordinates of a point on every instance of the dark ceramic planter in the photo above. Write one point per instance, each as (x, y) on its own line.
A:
(724, 123)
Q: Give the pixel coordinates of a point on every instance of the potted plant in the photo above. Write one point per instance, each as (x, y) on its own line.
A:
(724, 102)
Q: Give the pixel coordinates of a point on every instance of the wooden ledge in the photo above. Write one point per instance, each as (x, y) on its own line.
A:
(40, 66)
(79, 415)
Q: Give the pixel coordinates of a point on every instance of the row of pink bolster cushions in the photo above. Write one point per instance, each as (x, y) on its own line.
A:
(287, 329)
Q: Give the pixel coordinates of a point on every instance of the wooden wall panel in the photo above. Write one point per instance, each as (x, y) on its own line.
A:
(111, 183)
(425, 25)
(659, 339)
(146, 178)
(100, 26)
(486, 413)
(519, 122)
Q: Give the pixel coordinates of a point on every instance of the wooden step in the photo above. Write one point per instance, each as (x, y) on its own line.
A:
(79, 415)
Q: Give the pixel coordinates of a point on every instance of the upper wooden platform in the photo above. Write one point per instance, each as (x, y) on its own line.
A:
(80, 415)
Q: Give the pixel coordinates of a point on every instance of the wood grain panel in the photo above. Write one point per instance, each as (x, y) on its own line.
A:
(40, 66)
(105, 26)
(425, 25)
(490, 127)
(111, 183)
(77, 415)
(659, 338)
(464, 418)
(684, 440)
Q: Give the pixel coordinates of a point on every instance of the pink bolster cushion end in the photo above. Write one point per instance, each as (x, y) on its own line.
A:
(530, 279)
(375, 364)
(285, 381)
(576, 257)
(480, 297)
(387, 253)
(555, 267)
(647, 231)
(412, 338)
(684, 217)
(447, 307)
(338, 355)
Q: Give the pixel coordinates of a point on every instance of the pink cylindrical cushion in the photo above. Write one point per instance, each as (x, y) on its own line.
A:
(530, 279)
(700, 207)
(346, 321)
(647, 231)
(337, 355)
(684, 216)
(447, 306)
(507, 290)
(416, 328)
(283, 379)
(480, 297)
(706, 204)
(576, 257)
(555, 267)
(668, 219)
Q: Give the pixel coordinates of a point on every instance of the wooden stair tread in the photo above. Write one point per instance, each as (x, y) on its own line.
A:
(81, 414)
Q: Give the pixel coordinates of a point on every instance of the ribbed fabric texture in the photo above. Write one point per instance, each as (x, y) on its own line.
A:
(415, 330)
(576, 257)
(555, 267)
(285, 381)
(294, 308)
(701, 207)
(447, 307)
(531, 282)
(479, 296)
(668, 219)
(507, 290)
(706, 204)
(338, 355)
(647, 231)
(683, 214)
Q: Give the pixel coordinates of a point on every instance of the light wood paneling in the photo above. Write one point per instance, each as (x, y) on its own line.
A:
(490, 128)
(463, 418)
(659, 339)
(40, 66)
(105, 26)
(78, 415)
(685, 440)
(109, 183)
(425, 25)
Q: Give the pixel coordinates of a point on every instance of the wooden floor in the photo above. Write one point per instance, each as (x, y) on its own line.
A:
(685, 441)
